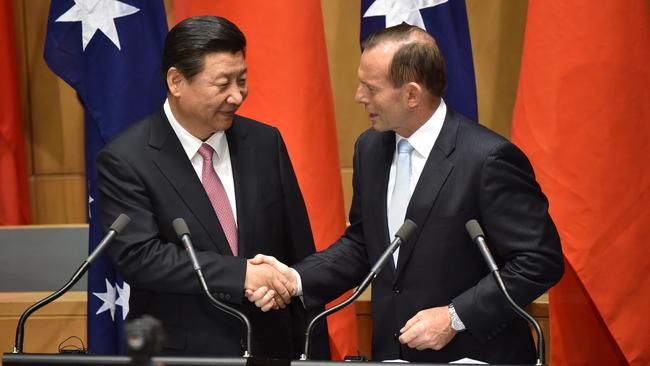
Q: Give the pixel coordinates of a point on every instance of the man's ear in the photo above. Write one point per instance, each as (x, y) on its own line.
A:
(413, 94)
(174, 81)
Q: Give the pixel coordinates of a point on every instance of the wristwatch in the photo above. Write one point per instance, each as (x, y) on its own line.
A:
(456, 323)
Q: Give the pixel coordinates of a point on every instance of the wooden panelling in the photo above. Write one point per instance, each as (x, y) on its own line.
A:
(497, 32)
(47, 327)
(59, 199)
(346, 179)
(56, 115)
(53, 124)
(23, 77)
(341, 21)
(364, 326)
(539, 310)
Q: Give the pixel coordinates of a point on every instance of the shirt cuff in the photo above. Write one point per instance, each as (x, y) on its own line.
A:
(456, 323)
(298, 282)
(298, 287)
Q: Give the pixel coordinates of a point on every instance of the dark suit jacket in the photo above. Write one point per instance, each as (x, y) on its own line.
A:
(471, 173)
(146, 174)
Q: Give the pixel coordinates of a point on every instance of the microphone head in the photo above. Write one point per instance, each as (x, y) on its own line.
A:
(120, 223)
(180, 227)
(474, 229)
(406, 230)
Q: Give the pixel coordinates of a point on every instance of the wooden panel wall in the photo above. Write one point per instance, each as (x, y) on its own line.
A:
(53, 124)
(47, 327)
(54, 119)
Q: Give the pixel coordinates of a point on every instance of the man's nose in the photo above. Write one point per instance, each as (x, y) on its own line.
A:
(360, 95)
(235, 95)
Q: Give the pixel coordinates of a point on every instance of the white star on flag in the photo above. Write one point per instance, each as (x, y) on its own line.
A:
(108, 298)
(400, 11)
(123, 295)
(97, 14)
(110, 303)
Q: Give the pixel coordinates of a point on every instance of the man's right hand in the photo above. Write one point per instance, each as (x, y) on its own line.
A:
(271, 297)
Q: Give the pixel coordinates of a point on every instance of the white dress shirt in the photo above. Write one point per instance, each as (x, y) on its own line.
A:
(422, 141)
(221, 161)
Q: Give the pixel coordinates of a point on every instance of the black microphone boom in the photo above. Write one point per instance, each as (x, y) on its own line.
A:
(477, 235)
(401, 236)
(118, 225)
(183, 233)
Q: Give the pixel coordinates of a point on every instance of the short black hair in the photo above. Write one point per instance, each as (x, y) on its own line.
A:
(418, 57)
(189, 41)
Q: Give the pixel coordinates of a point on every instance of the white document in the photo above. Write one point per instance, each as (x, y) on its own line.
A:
(469, 361)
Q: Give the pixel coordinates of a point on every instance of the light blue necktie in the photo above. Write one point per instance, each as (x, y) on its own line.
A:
(402, 192)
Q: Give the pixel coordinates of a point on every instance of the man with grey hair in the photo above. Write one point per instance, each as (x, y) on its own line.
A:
(436, 301)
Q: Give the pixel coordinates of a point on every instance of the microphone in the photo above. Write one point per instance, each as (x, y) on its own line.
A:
(477, 235)
(118, 225)
(183, 233)
(401, 236)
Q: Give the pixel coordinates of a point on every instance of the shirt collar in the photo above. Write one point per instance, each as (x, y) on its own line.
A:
(425, 137)
(191, 143)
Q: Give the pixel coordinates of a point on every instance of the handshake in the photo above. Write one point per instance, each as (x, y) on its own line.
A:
(269, 283)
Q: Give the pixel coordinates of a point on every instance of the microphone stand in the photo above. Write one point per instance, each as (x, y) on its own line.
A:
(402, 235)
(115, 228)
(20, 329)
(232, 311)
(477, 235)
(366, 282)
(183, 233)
(538, 330)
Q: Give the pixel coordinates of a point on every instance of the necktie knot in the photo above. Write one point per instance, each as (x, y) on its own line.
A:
(404, 147)
(206, 152)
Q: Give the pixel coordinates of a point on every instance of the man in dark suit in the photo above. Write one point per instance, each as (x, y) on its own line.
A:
(231, 179)
(436, 301)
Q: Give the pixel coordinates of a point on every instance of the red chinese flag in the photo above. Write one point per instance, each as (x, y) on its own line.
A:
(583, 117)
(14, 190)
(289, 87)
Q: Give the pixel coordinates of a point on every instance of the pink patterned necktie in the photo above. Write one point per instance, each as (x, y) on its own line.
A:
(218, 197)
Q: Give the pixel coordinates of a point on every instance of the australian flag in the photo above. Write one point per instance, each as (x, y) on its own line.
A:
(109, 51)
(446, 21)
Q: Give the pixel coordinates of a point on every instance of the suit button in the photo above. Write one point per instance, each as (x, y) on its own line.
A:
(221, 295)
(396, 336)
(396, 289)
(227, 296)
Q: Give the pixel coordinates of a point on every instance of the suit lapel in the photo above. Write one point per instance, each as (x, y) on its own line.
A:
(245, 176)
(436, 170)
(177, 169)
(380, 168)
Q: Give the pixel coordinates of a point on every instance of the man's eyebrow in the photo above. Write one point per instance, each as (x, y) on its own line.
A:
(367, 84)
(230, 74)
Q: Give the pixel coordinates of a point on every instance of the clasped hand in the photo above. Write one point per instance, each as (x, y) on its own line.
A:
(269, 283)
(429, 328)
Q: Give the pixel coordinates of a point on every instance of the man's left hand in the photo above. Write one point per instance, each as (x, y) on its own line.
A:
(430, 328)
